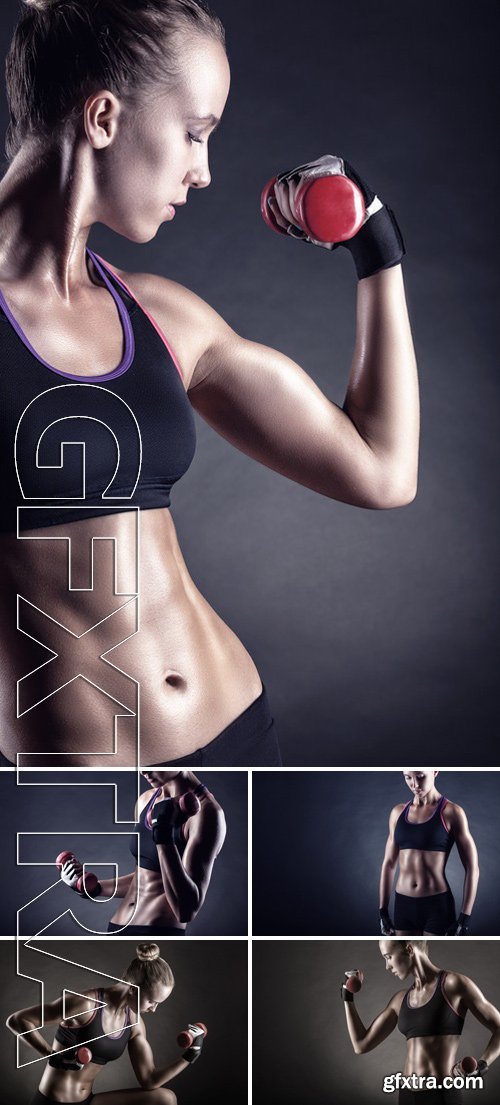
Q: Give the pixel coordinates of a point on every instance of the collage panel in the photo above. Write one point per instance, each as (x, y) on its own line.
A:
(77, 862)
(417, 1012)
(362, 853)
(135, 1015)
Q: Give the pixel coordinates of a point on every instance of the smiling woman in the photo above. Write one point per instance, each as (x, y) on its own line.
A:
(112, 105)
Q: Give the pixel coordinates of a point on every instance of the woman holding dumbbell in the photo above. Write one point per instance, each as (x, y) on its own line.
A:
(430, 1015)
(96, 1027)
(181, 832)
(112, 106)
(422, 833)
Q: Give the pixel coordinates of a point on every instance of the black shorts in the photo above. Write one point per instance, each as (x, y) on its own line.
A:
(39, 1099)
(434, 913)
(249, 741)
(145, 930)
(431, 1097)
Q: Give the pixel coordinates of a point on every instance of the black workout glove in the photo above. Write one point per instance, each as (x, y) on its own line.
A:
(164, 817)
(65, 1060)
(193, 1053)
(386, 924)
(461, 926)
(72, 873)
(378, 244)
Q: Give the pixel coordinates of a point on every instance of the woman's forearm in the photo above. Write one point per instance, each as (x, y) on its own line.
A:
(471, 881)
(19, 1024)
(161, 1075)
(492, 1051)
(386, 881)
(355, 1027)
(382, 395)
(181, 891)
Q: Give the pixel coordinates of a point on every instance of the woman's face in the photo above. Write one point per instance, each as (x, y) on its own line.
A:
(159, 152)
(397, 959)
(420, 782)
(159, 778)
(151, 999)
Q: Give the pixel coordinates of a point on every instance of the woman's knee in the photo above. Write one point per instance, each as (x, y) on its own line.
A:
(163, 1097)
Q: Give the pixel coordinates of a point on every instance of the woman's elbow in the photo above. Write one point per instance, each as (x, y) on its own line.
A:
(14, 1022)
(393, 491)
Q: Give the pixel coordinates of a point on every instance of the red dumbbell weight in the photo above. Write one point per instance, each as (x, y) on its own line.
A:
(468, 1064)
(189, 804)
(90, 883)
(84, 1055)
(354, 981)
(329, 208)
(62, 858)
(186, 1038)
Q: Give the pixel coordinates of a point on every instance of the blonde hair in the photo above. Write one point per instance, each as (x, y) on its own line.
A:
(64, 50)
(148, 969)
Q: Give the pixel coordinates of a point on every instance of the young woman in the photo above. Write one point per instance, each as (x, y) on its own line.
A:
(105, 1022)
(430, 1014)
(176, 854)
(422, 833)
(112, 105)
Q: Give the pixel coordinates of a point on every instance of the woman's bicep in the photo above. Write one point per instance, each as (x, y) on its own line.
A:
(380, 1028)
(268, 407)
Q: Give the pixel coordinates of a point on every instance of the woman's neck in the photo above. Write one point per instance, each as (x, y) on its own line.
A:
(46, 212)
(425, 972)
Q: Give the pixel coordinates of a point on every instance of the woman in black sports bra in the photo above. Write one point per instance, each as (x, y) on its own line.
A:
(431, 1015)
(112, 105)
(175, 859)
(116, 1011)
(422, 833)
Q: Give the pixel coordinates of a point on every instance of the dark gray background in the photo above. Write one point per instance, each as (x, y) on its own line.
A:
(301, 1048)
(319, 840)
(210, 986)
(366, 626)
(69, 809)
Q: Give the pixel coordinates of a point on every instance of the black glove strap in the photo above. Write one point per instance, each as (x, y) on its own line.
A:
(162, 818)
(346, 994)
(378, 245)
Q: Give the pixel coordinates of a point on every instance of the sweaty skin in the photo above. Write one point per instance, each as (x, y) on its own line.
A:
(77, 1085)
(422, 873)
(429, 1056)
(195, 676)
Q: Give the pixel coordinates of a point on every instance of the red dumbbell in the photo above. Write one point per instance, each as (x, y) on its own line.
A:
(186, 1038)
(354, 981)
(189, 803)
(84, 1055)
(329, 208)
(468, 1064)
(91, 881)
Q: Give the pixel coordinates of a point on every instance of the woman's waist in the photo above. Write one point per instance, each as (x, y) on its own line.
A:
(72, 1085)
(431, 1056)
(421, 873)
(146, 904)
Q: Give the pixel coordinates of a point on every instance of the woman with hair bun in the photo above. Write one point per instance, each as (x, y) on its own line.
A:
(97, 1027)
(112, 104)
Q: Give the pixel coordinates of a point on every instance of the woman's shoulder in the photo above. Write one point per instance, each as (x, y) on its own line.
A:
(190, 324)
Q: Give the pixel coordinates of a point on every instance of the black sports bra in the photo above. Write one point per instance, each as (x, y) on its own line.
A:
(435, 1018)
(104, 1050)
(74, 447)
(426, 836)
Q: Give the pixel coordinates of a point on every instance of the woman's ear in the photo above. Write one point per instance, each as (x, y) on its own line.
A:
(100, 115)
